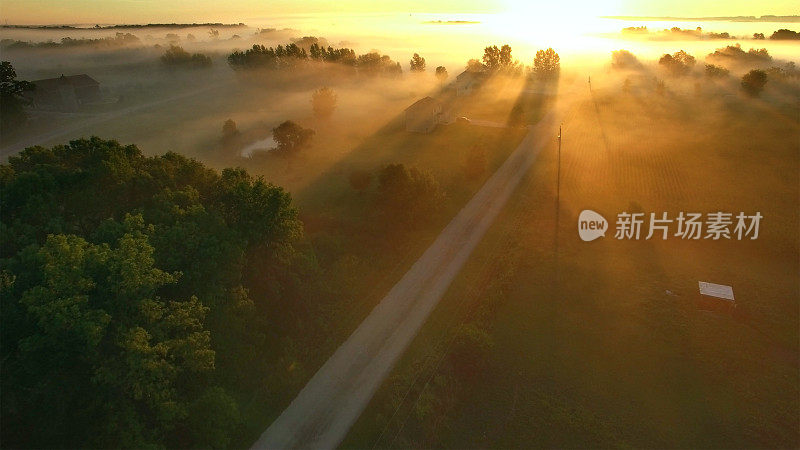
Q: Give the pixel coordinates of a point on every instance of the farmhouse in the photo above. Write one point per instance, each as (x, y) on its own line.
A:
(424, 115)
(65, 93)
(466, 82)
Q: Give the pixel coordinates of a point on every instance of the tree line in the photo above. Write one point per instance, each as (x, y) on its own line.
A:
(291, 55)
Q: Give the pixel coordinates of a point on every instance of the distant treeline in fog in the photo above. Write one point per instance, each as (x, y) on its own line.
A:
(767, 18)
(110, 27)
(677, 33)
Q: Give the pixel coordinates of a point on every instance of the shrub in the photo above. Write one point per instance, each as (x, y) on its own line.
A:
(753, 82)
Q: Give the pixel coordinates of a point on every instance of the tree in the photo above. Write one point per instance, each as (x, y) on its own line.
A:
(360, 180)
(491, 58)
(624, 60)
(407, 194)
(12, 114)
(103, 346)
(496, 59)
(291, 137)
(758, 36)
(229, 129)
(661, 87)
(678, 64)
(713, 71)
(474, 66)
(373, 63)
(753, 82)
(175, 56)
(546, 64)
(126, 319)
(323, 102)
(231, 138)
(417, 63)
(784, 34)
(441, 74)
(735, 54)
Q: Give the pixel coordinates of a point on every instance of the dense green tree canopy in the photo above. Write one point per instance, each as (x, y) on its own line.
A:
(126, 294)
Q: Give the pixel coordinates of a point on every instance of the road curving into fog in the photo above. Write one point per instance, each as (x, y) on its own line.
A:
(325, 409)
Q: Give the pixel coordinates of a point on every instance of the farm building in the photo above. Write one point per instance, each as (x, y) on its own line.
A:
(65, 93)
(424, 115)
(715, 297)
(466, 82)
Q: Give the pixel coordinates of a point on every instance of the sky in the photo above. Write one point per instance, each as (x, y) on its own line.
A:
(149, 11)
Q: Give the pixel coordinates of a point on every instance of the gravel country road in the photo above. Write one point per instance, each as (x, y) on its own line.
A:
(325, 409)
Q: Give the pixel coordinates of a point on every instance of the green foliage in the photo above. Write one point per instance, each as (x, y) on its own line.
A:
(499, 59)
(291, 56)
(407, 195)
(753, 82)
(291, 137)
(785, 34)
(678, 64)
(441, 74)
(12, 114)
(417, 63)
(345, 56)
(373, 63)
(713, 71)
(176, 57)
(229, 129)
(125, 285)
(547, 64)
(735, 54)
(116, 41)
(624, 60)
(261, 57)
(323, 102)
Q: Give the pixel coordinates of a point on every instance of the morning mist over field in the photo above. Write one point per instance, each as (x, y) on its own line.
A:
(474, 224)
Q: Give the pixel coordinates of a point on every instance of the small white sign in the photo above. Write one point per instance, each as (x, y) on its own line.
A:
(716, 290)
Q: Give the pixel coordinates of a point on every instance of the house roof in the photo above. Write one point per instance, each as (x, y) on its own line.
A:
(77, 81)
(425, 102)
(470, 75)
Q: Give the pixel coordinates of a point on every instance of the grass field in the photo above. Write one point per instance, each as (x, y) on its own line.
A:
(610, 350)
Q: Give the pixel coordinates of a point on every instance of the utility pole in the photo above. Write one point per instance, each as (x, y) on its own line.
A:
(558, 203)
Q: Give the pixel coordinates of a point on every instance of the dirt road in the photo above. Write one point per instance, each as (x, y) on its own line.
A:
(326, 408)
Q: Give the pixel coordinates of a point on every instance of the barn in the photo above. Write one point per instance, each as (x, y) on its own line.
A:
(424, 115)
(65, 93)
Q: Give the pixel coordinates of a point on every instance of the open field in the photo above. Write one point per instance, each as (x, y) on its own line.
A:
(613, 352)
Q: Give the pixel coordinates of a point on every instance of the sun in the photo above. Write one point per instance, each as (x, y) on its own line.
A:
(563, 24)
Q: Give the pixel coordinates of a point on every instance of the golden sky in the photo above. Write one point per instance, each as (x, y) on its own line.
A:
(142, 11)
